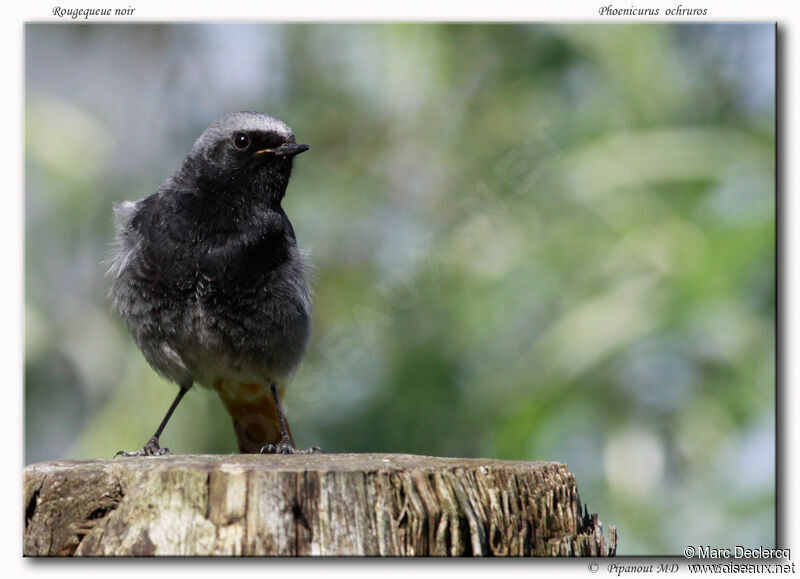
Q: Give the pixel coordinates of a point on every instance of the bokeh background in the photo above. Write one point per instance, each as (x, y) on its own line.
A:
(532, 242)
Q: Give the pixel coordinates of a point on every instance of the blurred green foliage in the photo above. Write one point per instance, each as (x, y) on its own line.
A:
(530, 242)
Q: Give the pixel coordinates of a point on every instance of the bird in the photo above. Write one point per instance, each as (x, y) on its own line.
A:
(210, 281)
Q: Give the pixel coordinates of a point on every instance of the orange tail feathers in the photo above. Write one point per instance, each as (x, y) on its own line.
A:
(255, 416)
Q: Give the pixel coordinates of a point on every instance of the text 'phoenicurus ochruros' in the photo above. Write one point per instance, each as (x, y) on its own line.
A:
(210, 281)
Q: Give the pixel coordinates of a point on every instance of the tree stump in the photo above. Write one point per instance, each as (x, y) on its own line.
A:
(322, 504)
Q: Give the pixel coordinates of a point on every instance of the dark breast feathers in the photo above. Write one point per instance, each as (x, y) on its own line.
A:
(220, 306)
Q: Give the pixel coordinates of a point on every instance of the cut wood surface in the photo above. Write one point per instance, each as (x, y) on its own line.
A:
(321, 504)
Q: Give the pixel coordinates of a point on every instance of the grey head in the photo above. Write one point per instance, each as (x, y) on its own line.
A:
(245, 151)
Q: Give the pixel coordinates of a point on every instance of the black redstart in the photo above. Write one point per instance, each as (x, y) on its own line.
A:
(211, 283)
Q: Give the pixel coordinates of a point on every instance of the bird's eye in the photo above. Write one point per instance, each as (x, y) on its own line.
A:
(241, 141)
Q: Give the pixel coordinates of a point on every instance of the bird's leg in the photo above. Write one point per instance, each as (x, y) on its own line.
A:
(152, 448)
(286, 445)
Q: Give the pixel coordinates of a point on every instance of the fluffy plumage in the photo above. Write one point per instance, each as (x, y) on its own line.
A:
(207, 273)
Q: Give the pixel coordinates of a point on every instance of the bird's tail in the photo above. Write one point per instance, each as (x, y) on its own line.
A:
(255, 416)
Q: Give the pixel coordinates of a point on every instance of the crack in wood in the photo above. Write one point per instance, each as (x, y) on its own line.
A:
(307, 504)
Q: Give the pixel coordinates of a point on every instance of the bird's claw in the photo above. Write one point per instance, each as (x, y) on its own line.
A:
(150, 449)
(286, 446)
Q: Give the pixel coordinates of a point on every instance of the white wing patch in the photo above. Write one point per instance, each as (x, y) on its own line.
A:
(123, 247)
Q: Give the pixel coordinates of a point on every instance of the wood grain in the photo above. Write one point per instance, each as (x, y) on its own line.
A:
(323, 504)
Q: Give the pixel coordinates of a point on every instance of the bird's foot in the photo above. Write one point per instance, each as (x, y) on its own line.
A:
(150, 449)
(286, 446)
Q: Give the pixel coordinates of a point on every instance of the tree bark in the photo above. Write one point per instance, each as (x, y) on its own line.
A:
(322, 504)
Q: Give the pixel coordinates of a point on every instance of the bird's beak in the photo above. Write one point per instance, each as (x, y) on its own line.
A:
(287, 150)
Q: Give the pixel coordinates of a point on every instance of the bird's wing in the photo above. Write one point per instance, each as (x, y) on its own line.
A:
(123, 245)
